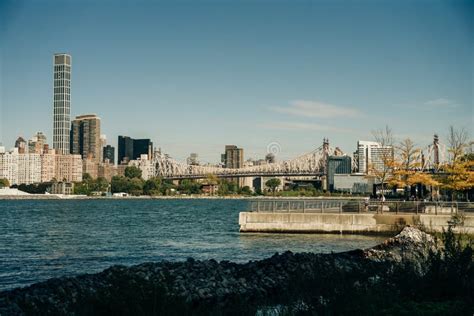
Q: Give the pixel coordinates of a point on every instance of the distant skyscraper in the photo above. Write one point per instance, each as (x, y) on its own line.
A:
(125, 149)
(62, 103)
(36, 143)
(270, 158)
(20, 143)
(109, 153)
(142, 147)
(192, 159)
(103, 143)
(131, 149)
(233, 157)
(85, 137)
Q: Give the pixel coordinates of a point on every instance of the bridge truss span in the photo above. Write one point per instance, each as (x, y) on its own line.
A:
(310, 164)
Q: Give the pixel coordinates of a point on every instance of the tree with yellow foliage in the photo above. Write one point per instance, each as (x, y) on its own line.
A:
(458, 172)
(382, 171)
(407, 170)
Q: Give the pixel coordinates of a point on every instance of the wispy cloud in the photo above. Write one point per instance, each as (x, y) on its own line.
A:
(316, 109)
(298, 126)
(441, 102)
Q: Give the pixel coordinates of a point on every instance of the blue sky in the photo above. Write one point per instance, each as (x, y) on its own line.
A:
(195, 76)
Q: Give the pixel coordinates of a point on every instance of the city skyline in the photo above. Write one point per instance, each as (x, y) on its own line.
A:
(231, 90)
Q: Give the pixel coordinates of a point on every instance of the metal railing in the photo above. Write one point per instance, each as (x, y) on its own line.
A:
(360, 206)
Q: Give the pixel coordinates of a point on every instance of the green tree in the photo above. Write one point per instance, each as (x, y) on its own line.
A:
(152, 186)
(272, 184)
(120, 184)
(223, 188)
(167, 187)
(211, 179)
(227, 187)
(233, 187)
(133, 172)
(135, 186)
(86, 178)
(246, 190)
(81, 188)
(101, 184)
(4, 183)
(383, 171)
(189, 187)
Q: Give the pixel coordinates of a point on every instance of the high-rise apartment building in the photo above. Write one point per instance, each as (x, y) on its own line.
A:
(62, 103)
(132, 149)
(20, 168)
(233, 157)
(48, 165)
(29, 168)
(34, 168)
(68, 168)
(85, 137)
(371, 155)
(9, 165)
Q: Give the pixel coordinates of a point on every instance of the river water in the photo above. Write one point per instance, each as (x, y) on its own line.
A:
(40, 239)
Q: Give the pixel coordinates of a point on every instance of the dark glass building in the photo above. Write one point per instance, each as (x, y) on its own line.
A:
(131, 149)
(337, 165)
(109, 153)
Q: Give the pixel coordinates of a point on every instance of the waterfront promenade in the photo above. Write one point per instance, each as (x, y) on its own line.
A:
(354, 216)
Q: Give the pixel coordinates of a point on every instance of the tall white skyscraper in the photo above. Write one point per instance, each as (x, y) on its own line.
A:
(62, 103)
(370, 154)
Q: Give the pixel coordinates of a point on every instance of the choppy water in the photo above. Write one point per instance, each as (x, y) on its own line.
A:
(44, 239)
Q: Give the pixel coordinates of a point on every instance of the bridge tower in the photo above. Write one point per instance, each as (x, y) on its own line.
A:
(324, 155)
(436, 151)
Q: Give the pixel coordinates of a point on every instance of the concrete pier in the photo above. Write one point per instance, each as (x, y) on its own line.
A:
(345, 223)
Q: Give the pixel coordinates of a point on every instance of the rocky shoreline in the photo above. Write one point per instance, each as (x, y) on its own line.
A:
(192, 286)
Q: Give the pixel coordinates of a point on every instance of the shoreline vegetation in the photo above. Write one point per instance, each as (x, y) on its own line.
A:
(412, 273)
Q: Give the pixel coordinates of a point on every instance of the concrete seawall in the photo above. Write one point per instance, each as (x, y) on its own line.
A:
(350, 223)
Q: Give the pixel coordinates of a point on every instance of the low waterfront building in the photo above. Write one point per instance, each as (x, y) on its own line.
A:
(353, 183)
(64, 188)
(210, 189)
(337, 165)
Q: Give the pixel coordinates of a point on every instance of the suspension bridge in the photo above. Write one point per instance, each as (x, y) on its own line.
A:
(312, 164)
